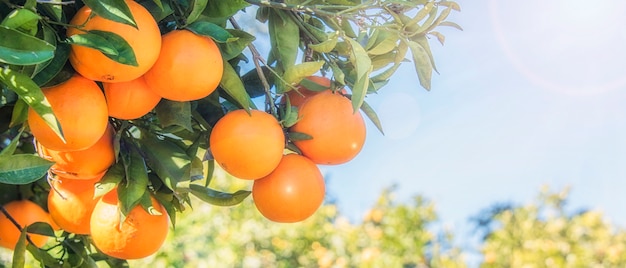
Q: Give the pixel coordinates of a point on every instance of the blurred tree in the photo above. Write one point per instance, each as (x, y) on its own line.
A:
(544, 234)
(391, 234)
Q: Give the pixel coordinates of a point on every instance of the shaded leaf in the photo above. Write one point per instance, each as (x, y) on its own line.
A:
(22, 49)
(10, 149)
(131, 190)
(146, 204)
(22, 168)
(218, 198)
(114, 175)
(19, 252)
(174, 113)
(54, 67)
(197, 6)
(223, 9)
(211, 30)
(40, 228)
(298, 136)
(166, 159)
(232, 84)
(232, 49)
(252, 81)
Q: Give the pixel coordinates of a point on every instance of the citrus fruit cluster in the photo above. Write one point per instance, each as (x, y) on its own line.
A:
(288, 186)
(102, 88)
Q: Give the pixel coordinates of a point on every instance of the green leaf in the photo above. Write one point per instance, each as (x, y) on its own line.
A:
(284, 38)
(298, 136)
(130, 191)
(19, 253)
(371, 114)
(232, 49)
(385, 43)
(231, 83)
(10, 149)
(166, 159)
(289, 116)
(253, 84)
(146, 204)
(115, 10)
(110, 180)
(22, 49)
(327, 45)
(110, 44)
(451, 24)
(223, 9)
(55, 66)
(218, 198)
(423, 66)
(211, 30)
(22, 168)
(296, 73)
(50, 36)
(312, 86)
(363, 65)
(32, 95)
(174, 113)
(40, 228)
(22, 20)
(197, 6)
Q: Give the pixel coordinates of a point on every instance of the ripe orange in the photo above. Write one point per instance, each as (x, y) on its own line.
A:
(71, 202)
(25, 212)
(130, 100)
(247, 146)
(338, 133)
(80, 108)
(292, 192)
(189, 67)
(139, 236)
(83, 164)
(145, 40)
(301, 94)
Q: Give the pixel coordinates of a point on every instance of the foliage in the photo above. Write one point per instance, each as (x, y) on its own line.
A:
(165, 153)
(544, 234)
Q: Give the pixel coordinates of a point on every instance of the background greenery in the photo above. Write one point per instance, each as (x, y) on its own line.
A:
(542, 233)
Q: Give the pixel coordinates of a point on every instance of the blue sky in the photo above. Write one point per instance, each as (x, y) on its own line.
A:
(531, 93)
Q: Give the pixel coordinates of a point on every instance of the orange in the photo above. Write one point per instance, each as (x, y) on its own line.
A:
(301, 93)
(130, 100)
(247, 146)
(292, 192)
(83, 164)
(189, 67)
(139, 236)
(25, 212)
(70, 203)
(338, 133)
(145, 40)
(80, 108)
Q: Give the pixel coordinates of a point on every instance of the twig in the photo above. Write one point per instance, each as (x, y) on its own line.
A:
(17, 225)
(256, 58)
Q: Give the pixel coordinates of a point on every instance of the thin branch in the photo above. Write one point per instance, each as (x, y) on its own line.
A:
(257, 58)
(17, 224)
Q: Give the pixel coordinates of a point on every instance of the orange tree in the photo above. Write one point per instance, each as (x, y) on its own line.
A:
(152, 79)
